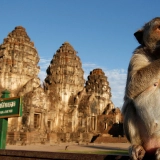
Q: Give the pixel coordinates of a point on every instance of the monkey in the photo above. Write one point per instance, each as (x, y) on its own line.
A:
(141, 107)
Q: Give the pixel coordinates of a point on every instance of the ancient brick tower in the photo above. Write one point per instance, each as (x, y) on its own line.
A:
(18, 61)
(64, 80)
(19, 74)
(94, 100)
(65, 74)
(97, 83)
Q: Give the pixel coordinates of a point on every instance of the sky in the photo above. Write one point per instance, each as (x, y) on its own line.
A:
(101, 31)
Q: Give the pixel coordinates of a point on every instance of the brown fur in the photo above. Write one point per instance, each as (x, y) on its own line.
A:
(141, 109)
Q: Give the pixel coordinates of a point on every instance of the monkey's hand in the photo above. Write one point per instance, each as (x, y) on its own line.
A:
(157, 154)
(136, 152)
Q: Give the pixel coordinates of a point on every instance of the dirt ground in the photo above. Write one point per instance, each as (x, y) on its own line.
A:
(71, 147)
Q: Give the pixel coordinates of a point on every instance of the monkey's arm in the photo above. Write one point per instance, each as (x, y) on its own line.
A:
(130, 127)
(142, 73)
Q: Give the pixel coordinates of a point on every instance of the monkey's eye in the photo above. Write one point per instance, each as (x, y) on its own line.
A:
(158, 27)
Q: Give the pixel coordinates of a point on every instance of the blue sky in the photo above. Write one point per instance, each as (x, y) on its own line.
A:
(101, 31)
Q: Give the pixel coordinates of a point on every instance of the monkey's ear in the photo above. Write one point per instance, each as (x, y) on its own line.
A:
(139, 36)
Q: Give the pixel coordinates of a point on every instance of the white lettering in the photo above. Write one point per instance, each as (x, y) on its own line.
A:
(10, 111)
(7, 104)
(6, 111)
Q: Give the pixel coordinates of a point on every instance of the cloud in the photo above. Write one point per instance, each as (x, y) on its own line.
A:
(43, 63)
(116, 78)
(117, 81)
(42, 75)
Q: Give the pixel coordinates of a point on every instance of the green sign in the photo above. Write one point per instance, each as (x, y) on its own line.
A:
(10, 107)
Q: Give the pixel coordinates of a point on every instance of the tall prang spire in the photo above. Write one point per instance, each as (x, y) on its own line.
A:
(18, 60)
(65, 73)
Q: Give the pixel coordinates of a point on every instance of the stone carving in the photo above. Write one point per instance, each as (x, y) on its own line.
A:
(35, 102)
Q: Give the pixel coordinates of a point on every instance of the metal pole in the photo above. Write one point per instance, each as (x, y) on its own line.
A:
(3, 124)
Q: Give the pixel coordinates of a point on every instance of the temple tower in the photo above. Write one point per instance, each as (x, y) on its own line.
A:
(19, 74)
(93, 101)
(98, 85)
(65, 73)
(18, 61)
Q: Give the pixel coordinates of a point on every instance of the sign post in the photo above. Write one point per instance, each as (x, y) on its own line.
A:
(9, 107)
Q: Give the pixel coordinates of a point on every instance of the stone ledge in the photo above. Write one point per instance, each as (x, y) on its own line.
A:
(37, 155)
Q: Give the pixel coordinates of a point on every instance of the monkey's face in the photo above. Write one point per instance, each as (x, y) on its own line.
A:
(149, 35)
